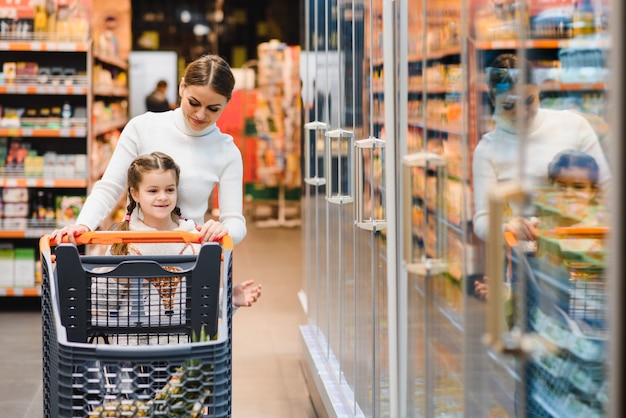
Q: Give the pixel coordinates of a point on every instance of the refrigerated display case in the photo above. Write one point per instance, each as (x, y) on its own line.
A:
(417, 306)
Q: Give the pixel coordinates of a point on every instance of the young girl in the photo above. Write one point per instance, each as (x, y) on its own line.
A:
(574, 178)
(152, 196)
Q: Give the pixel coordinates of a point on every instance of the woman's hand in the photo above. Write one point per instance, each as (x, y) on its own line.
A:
(524, 229)
(212, 231)
(71, 231)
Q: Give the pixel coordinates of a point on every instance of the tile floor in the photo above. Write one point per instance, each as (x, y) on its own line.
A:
(267, 350)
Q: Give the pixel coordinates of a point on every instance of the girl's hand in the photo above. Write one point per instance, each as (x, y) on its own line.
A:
(212, 231)
(482, 288)
(71, 231)
(246, 293)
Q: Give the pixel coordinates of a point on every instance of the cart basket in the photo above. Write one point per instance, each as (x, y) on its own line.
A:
(136, 336)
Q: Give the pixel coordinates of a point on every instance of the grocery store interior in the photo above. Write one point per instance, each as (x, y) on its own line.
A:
(432, 191)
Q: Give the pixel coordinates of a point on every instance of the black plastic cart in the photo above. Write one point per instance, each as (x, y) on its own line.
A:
(132, 336)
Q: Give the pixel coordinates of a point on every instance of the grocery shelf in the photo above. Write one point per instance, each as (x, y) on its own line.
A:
(44, 132)
(39, 46)
(580, 42)
(20, 291)
(59, 183)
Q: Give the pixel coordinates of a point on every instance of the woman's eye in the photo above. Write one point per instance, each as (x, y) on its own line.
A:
(508, 105)
(530, 100)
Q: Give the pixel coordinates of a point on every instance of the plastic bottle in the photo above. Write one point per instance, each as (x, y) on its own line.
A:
(583, 20)
(66, 113)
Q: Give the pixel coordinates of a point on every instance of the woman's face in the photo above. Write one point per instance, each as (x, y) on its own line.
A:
(201, 105)
(506, 104)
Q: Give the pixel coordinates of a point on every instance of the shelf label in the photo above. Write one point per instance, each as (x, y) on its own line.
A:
(31, 182)
(35, 46)
(11, 182)
(48, 183)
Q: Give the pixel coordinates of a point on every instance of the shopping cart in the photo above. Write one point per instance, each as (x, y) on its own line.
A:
(132, 336)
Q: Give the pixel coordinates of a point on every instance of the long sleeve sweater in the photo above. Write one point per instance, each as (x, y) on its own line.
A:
(207, 158)
(496, 157)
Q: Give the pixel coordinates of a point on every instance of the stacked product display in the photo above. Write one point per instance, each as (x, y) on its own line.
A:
(277, 120)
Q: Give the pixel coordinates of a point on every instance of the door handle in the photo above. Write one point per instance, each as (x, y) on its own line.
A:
(424, 264)
(339, 143)
(319, 128)
(361, 220)
(495, 327)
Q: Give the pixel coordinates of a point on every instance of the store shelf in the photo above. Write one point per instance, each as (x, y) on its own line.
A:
(44, 132)
(580, 42)
(57, 86)
(44, 45)
(58, 183)
(46, 149)
(20, 292)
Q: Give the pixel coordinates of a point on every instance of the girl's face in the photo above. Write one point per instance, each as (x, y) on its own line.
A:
(201, 105)
(156, 194)
(575, 192)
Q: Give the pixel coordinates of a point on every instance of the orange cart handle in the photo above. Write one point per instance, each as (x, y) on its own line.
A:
(580, 231)
(121, 237)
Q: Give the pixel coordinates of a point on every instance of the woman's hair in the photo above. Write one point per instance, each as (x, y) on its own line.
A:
(504, 73)
(141, 165)
(210, 70)
(571, 158)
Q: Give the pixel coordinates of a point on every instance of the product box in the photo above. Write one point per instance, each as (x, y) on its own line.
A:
(24, 267)
(4, 147)
(15, 194)
(68, 208)
(7, 254)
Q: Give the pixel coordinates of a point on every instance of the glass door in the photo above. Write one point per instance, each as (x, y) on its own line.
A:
(538, 142)
(433, 189)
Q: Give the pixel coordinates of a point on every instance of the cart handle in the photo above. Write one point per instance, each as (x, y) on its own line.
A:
(119, 237)
(579, 232)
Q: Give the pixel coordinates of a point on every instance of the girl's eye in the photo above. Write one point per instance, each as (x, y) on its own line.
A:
(213, 109)
(530, 100)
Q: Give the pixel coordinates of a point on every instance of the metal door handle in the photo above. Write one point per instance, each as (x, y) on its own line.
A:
(338, 141)
(320, 132)
(495, 316)
(370, 223)
(425, 160)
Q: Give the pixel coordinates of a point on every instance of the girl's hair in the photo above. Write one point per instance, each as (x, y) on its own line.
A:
(143, 164)
(210, 70)
(571, 158)
(504, 73)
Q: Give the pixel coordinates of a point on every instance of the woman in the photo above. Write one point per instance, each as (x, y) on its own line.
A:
(497, 155)
(190, 136)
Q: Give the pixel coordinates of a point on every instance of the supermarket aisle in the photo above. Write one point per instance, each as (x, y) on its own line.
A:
(268, 382)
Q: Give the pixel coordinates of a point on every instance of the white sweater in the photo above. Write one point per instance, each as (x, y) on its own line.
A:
(496, 157)
(206, 158)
